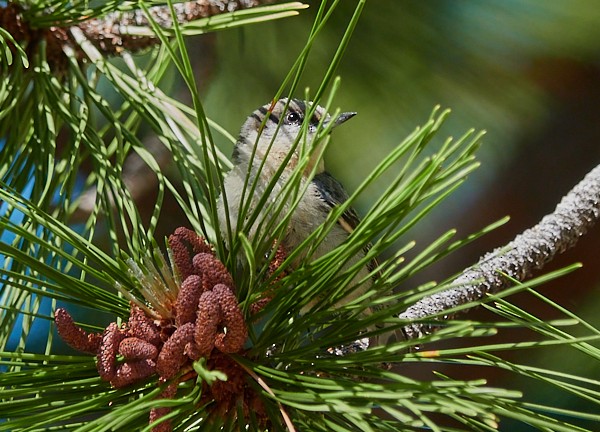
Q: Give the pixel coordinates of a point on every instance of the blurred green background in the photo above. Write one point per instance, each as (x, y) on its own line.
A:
(528, 72)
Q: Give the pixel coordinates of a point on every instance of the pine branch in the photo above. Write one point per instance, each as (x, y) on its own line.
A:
(112, 33)
(577, 212)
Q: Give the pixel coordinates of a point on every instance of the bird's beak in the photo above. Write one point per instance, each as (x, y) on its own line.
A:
(343, 117)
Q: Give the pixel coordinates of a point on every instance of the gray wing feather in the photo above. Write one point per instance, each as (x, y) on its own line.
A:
(333, 194)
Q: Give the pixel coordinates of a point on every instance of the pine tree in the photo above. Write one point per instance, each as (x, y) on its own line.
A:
(81, 85)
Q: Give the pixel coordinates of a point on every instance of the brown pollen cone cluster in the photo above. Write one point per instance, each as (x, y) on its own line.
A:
(205, 322)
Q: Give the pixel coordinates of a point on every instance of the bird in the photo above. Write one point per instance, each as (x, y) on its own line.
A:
(269, 146)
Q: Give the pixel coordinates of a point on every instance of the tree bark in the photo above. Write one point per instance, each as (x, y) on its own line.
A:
(577, 212)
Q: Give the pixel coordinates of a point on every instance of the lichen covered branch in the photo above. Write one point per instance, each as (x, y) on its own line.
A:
(577, 212)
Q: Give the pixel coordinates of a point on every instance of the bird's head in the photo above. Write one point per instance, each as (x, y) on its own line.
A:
(271, 133)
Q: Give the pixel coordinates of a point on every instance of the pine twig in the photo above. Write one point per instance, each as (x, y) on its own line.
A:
(110, 33)
(577, 212)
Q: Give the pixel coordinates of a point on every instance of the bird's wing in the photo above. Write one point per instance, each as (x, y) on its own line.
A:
(334, 194)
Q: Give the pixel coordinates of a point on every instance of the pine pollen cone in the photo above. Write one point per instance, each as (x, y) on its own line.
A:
(206, 322)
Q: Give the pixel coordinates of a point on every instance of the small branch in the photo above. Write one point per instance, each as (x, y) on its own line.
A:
(577, 212)
(110, 33)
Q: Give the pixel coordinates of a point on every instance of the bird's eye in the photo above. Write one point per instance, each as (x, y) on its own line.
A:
(294, 117)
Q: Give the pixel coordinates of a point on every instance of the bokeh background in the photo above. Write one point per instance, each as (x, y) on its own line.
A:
(528, 72)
